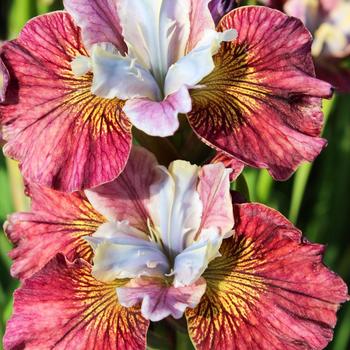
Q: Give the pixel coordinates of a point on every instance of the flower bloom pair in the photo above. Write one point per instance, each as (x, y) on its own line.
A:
(81, 78)
(98, 266)
(329, 22)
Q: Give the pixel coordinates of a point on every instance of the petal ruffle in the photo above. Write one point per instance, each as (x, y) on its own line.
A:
(262, 104)
(64, 307)
(4, 79)
(56, 224)
(160, 300)
(126, 198)
(64, 137)
(98, 20)
(268, 290)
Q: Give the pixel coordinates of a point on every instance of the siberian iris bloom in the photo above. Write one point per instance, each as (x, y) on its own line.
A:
(97, 266)
(81, 79)
(329, 22)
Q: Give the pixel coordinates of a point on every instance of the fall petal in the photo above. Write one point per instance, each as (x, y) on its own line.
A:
(71, 310)
(99, 21)
(262, 103)
(76, 139)
(269, 289)
(160, 300)
(158, 118)
(126, 197)
(56, 224)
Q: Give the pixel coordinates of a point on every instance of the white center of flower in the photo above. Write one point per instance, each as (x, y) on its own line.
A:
(175, 245)
(158, 63)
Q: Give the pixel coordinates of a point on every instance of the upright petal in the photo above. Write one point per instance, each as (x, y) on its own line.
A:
(160, 300)
(262, 104)
(230, 162)
(219, 8)
(56, 224)
(4, 79)
(268, 290)
(126, 198)
(214, 192)
(64, 137)
(64, 307)
(98, 20)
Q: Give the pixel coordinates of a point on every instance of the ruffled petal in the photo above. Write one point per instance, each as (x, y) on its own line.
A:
(214, 192)
(219, 8)
(64, 307)
(56, 224)
(64, 137)
(262, 104)
(4, 79)
(268, 290)
(126, 198)
(158, 118)
(98, 20)
(160, 300)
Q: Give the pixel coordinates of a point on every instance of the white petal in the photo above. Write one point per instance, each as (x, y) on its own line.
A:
(118, 76)
(196, 65)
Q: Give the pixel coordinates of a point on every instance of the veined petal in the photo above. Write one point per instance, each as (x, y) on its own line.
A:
(269, 289)
(262, 104)
(56, 223)
(230, 162)
(64, 307)
(126, 198)
(122, 251)
(4, 79)
(160, 300)
(175, 206)
(214, 192)
(219, 8)
(64, 137)
(99, 21)
(159, 118)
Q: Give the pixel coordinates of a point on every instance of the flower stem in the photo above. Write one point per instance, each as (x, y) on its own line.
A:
(302, 175)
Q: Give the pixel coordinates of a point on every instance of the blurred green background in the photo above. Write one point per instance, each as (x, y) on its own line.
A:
(316, 198)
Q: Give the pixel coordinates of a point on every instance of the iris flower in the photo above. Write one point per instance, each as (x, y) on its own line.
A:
(329, 22)
(81, 78)
(98, 266)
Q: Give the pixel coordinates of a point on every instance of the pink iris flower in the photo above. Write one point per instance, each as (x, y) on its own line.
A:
(329, 23)
(81, 78)
(160, 242)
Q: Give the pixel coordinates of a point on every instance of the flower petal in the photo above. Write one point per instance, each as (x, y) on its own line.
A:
(98, 20)
(262, 104)
(160, 300)
(158, 118)
(214, 192)
(64, 307)
(125, 198)
(64, 137)
(4, 79)
(56, 224)
(230, 162)
(219, 8)
(269, 289)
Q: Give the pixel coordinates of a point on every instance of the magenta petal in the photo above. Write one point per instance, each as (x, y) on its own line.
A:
(262, 103)
(4, 80)
(126, 197)
(98, 21)
(230, 162)
(160, 300)
(158, 118)
(64, 307)
(64, 137)
(56, 224)
(219, 8)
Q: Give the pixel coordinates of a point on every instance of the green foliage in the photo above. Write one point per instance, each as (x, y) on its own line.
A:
(315, 198)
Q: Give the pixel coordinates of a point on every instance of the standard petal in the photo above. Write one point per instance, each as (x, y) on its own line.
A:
(269, 289)
(126, 198)
(158, 118)
(56, 224)
(64, 137)
(160, 300)
(262, 104)
(214, 192)
(219, 8)
(98, 20)
(64, 307)
(230, 162)
(4, 79)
